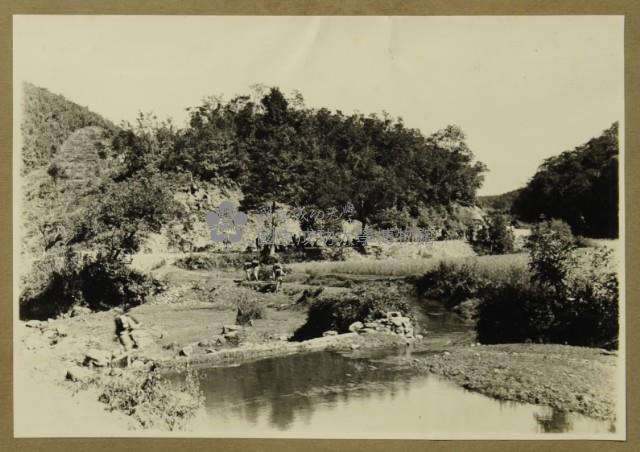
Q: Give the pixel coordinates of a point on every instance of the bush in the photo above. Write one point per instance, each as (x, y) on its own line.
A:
(153, 401)
(51, 287)
(58, 282)
(211, 261)
(550, 246)
(494, 238)
(515, 312)
(106, 283)
(249, 309)
(558, 303)
(452, 283)
(338, 311)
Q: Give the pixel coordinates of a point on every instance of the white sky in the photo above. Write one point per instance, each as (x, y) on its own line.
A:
(522, 88)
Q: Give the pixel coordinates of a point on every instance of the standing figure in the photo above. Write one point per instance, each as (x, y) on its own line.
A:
(256, 269)
(248, 270)
(278, 275)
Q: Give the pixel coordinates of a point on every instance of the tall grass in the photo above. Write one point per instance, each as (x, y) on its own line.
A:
(489, 265)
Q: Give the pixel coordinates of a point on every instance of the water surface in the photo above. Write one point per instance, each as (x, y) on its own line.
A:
(326, 394)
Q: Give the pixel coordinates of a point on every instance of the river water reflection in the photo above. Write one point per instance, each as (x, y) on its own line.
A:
(325, 394)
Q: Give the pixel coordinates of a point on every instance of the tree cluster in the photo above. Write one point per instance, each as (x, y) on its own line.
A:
(277, 150)
(578, 186)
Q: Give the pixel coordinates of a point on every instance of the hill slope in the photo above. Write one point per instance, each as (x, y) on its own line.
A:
(48, 120)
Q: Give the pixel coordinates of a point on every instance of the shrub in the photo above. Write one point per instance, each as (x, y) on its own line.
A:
(249, 309)
(558, 303)
(51, 287)
(211, 261)
(494, 238)
(338, 311)
(515, 312)
(58, 282)
(452, 283)
(550, 246)
(106, 283)
(153, 401)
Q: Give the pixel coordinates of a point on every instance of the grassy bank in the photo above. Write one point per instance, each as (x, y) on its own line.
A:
(576, 379)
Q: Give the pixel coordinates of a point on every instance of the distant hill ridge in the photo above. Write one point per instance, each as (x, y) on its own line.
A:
(48, 121)
(502, 202)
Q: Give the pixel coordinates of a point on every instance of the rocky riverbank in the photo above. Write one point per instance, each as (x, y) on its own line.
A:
(576, 379)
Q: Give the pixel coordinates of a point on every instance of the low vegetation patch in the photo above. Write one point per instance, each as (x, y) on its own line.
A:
(337, 311)
(210, 261)
(153, 401)
(57, 283)
(453, 282)
(563, 295)
(559, 302)
(249, 308)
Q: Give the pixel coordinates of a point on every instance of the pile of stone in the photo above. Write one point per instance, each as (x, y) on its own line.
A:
(392, 322)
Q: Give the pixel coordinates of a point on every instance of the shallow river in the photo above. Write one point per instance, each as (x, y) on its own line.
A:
(324, 394)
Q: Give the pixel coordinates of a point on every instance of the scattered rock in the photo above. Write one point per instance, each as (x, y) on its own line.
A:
(120, 361)
(98, 358)
(356, 326)
(61, 331)
(50, 334)
(170, 346)
(79, 374)
(419, 336)
(186, 351)
(79, 310)
(138, 365)
(35, 324)
(230, 328)
(446, 354)
(330, 333)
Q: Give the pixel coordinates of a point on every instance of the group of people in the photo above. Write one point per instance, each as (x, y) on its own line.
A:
(252, 272)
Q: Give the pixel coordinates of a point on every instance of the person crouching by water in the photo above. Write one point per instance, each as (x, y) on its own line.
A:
(278, 275)
(125, 325)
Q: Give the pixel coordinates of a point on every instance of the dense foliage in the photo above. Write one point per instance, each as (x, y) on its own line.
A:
(558, 303)
(48, 120)
(579, 187)
(338, 311)
(58, 283)
(452, 283)
(495, 237)
(277, 150)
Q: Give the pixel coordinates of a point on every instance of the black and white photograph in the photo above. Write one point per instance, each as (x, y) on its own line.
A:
(359, 227)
